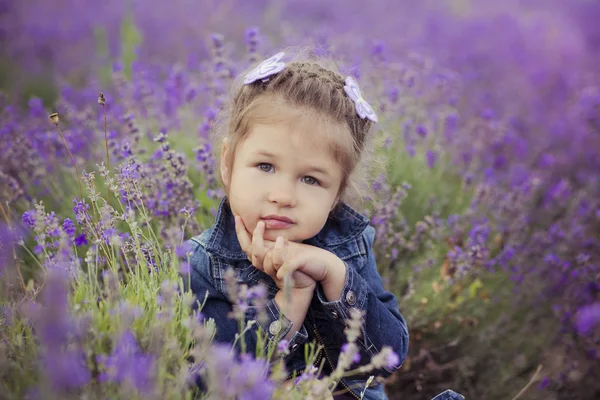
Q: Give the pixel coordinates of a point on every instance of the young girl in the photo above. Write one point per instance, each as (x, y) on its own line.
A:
(295, 133)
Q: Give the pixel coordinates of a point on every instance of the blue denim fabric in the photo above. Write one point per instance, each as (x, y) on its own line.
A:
(346, 234)
(449, 395)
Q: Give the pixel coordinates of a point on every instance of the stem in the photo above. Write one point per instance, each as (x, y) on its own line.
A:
(531, 382)
(107, 155)
(5, 214)
(72, 159)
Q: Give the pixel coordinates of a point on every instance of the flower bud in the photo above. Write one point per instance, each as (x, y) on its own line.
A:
(54, 118)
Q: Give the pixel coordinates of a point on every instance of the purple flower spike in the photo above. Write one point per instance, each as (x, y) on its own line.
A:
(587, 317)
(363, 108)
(265, 69)
(392, 360)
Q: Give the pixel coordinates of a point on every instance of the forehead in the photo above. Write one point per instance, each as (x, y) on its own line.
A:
(287, 139)
(277, 125)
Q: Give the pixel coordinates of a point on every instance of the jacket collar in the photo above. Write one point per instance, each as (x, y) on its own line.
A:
(343, 224)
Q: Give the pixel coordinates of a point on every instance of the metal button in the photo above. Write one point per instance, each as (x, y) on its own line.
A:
(294, 347)
(335, 314)
(275, 328)
(351, 298)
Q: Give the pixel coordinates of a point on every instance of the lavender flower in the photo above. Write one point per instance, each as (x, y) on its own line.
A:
(587, 318)
(69, 227)
(81, 240)
(29, 218)
(66, 369)
(282, 347)
(432, 158)
(128, 365)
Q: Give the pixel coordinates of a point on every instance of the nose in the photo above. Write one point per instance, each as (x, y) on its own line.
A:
(283, 194)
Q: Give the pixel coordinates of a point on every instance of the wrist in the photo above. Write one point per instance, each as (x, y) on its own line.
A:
(294, 306)
(336, 272)
(334, 282)
(296, 294)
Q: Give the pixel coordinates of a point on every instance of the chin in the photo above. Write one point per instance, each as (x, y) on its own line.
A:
(272, 234)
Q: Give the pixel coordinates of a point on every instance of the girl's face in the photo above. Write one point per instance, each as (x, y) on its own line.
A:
(282, 174)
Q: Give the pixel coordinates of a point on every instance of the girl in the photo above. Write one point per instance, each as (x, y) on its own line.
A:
(295, 133)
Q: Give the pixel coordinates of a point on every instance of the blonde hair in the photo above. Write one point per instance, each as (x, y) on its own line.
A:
(312, 85)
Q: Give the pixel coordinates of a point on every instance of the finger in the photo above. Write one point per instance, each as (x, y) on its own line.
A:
(277, 251)
(268, 265)
(258, 246)
(286, 269)
(242, 235)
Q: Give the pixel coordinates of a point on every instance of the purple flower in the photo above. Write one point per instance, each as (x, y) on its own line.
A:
(182, 251)
(108, 234)
(29, 218)
(184, 268)
(247, 379)
(64, 365)
(588, 317)
(66, 369)
(127, 364)
(251, 34)
(69, 227)
(251, 379)
(81, 240)
(282, 346)
(53, 322)
(355, 357)
(257, 292)
(80, 210)
(544, 383)
(392, 360)
(432, 157)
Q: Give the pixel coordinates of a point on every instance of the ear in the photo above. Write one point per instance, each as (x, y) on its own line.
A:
(225, 162)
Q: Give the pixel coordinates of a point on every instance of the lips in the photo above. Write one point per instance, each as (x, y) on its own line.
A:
(277, 222)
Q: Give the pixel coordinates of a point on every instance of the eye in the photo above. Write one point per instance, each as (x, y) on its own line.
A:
(266, 167)
(309, 180)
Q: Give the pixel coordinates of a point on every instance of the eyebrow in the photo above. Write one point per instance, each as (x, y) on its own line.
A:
(312, 168)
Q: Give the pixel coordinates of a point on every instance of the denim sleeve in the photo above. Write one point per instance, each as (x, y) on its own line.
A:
(218, 307)
(383, 325)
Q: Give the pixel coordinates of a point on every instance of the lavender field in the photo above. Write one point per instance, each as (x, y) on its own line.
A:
(486, 204)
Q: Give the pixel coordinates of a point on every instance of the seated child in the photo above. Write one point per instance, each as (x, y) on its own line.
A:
(295, 133)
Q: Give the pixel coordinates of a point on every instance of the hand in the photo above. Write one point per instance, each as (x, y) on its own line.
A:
(321, 265)
(268, 256)
(315, 262)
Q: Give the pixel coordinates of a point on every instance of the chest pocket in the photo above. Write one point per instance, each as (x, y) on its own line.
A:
(352, 252)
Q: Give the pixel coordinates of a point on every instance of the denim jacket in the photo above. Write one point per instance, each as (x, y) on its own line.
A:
(348, 235)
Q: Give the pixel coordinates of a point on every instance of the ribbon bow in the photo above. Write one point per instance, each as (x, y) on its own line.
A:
(363, 108)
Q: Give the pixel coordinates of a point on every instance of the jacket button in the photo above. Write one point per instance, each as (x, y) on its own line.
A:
(294, 347)
(275, 328)
(335, 314)
(351, 298)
